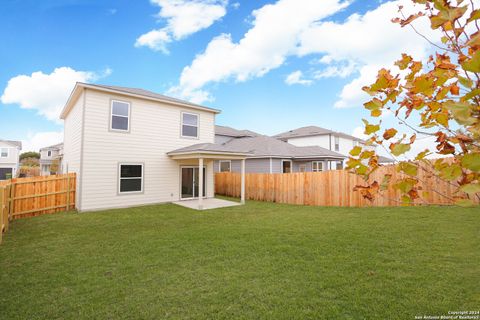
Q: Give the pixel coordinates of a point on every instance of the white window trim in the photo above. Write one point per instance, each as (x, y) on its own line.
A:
(336, 145)
(189, 125)
(291, 165)
(318, 162)
(49, 153)
(220, 165)
(119, 179)
(118, 115)
(8, 152)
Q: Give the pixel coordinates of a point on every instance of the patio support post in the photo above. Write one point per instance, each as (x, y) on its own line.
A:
(242, 191)
(200, 183)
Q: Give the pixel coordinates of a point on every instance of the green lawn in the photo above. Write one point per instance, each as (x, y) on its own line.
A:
(256, 261)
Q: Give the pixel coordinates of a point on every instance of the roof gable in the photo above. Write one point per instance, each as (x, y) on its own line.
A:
(13, 143)
(131, 92)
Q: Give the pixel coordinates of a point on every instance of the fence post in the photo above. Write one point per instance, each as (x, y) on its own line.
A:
(11, 208)
(68, 191)
(2, 225)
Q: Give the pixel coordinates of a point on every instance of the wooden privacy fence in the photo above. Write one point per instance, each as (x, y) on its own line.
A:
(26, 197)
(329, 188)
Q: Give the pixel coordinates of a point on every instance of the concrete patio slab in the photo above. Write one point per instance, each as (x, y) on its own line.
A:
(209, 203)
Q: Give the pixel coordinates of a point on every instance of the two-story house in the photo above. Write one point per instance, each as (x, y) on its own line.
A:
(132, 147)
(332, 140)
(49, 156)
(9, 158)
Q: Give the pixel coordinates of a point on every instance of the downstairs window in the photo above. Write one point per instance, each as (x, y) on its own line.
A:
(130, 178)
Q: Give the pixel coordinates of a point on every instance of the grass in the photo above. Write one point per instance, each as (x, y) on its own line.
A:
(256, 261)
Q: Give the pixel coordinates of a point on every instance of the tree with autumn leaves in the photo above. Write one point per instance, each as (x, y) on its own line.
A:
(439, 98)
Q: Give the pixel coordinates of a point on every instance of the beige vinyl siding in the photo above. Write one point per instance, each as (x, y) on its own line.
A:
(154, 131)
(72, 140)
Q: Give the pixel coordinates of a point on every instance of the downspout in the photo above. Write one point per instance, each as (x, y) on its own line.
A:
(271, 169)
(80, 182)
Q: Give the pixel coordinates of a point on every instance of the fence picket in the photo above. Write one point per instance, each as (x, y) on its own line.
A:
(329, 188)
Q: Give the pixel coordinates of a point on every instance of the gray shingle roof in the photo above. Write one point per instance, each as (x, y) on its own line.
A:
(150, 94)
(55, 146)
(262, 146)
(12, 142)
(208, 147)
(231, 132)
(313, 131)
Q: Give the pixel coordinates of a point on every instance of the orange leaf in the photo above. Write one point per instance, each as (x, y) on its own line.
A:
(389, 133)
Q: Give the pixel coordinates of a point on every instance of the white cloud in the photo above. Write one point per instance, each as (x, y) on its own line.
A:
(296, 78)
(370, 42)
(46, 93)
(155, 39)
(359, 132)
(341, 70)
(273, 37)
(41, 139)
(183, 18)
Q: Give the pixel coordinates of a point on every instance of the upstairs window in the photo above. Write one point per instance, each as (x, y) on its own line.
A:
(317, 166)
(189, 125)
(49, 153)
(337, 143)
(3, 152)
(120, 116)
(225, 165)
(131, 178)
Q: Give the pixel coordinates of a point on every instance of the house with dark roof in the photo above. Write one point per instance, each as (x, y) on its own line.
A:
(270, 155)
(332, 140)
(9, 158)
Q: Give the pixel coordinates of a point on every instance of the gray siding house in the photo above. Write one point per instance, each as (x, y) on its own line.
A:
(270, 155)
(332, 140)
(9, 158)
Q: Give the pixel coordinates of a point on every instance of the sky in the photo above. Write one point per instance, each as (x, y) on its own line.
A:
(270, 66)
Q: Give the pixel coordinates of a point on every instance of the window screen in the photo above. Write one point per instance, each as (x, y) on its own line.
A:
(131, 178)
(120, 115)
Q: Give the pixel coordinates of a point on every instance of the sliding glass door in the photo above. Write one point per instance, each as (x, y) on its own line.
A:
(190, 182)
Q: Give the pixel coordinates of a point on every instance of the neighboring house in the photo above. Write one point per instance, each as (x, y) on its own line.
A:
(9, 158)
(332, 140)
(269, 155)
(49, 155)
(133, 147)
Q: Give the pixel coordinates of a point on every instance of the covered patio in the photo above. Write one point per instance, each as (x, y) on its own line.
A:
(200, 154)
